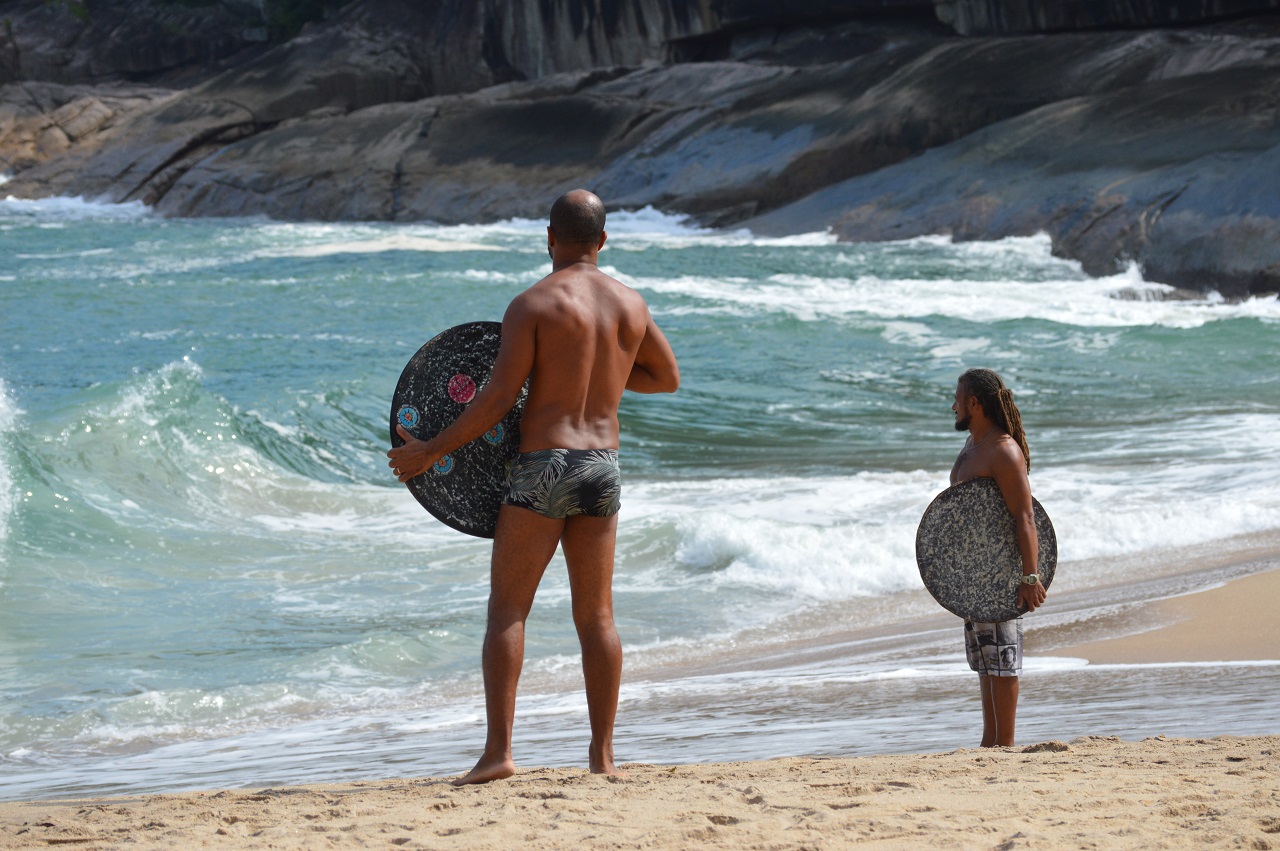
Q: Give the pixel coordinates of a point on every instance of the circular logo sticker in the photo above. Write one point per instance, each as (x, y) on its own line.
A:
(462, 389)
(408, 416)
(495, 434)
(444, 466)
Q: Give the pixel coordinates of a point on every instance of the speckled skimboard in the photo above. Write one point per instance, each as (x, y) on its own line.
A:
(464, 488)
(968, 553)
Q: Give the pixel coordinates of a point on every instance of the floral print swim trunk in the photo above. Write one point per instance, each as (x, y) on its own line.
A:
(559, 483)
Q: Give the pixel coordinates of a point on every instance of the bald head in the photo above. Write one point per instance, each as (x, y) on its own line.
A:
(577, 217)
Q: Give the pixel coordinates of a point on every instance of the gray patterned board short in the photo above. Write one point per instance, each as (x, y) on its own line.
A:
(994, 649)
(559, 483)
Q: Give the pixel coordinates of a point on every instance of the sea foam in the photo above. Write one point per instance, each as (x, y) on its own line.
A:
(8, 496)
(1094, 303)
(61, 209)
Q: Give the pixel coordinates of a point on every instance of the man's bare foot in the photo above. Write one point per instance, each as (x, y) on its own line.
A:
(602, 762)
(487, 770)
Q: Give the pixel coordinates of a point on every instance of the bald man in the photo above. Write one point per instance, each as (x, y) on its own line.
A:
(580, 338)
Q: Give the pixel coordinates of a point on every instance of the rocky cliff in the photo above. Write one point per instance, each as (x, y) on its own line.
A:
(875, 118)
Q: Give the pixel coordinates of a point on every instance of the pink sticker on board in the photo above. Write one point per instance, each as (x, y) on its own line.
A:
(462, 389)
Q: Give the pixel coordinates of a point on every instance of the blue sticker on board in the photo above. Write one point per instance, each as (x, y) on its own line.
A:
(408, 416)
(495, 434)
(444, 466)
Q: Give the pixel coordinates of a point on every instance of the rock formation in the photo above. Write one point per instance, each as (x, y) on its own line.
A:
(870, 117)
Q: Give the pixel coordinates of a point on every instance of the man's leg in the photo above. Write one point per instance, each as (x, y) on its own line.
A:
(988, 712)
(1004, 705)
(999, 710)
(588, 544)
(522, 546)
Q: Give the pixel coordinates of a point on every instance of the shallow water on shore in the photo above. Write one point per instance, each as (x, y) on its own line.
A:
(209, 579)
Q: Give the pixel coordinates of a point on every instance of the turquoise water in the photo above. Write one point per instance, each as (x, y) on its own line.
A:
(210, 578)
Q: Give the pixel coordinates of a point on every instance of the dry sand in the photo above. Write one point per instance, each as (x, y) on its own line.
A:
(1089, 793)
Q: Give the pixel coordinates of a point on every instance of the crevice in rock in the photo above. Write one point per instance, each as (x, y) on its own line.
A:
(161, 179)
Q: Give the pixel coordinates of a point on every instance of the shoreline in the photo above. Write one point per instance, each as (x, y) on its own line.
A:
(1174, 609)
(1094, 791)
(1188, 627)
(833, 683)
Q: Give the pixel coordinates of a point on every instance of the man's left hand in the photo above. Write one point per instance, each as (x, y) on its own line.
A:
(1030, 597)
(412, 459)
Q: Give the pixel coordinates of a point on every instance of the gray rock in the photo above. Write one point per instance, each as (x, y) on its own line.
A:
(989, 17)
(1176, 172)
(115, 41)
(1153, 147)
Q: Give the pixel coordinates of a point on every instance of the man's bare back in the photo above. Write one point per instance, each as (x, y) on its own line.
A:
(584, 329)
(580, 338)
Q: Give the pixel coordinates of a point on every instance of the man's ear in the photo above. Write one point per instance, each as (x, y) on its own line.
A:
(604, 235)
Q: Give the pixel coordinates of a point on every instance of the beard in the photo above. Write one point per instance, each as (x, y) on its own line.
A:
(963, 425)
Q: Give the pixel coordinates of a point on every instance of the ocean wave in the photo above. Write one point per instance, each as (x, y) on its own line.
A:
(9, 414)
(377, 244)
(1119, 301)
(834, 538)
(629, 230)
(159, 452)
(155, 718)
(61, 209)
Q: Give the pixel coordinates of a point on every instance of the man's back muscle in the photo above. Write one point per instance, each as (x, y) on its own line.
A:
(587, 328)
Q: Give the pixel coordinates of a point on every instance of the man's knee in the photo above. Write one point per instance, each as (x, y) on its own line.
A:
(503, 614)
(593, 620)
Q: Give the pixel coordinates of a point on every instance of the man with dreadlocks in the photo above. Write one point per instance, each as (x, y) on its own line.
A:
(997, 449)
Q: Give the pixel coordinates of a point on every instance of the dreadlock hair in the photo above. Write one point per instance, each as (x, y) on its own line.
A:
(997, 404)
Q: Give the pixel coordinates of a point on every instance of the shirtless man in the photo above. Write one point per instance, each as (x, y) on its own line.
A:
(581, 338)
(997, 449)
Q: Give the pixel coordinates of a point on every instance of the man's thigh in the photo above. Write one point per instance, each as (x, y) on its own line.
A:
(589, 544)
(523, 545)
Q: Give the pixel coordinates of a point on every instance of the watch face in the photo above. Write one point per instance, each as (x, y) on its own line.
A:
(1031, 579)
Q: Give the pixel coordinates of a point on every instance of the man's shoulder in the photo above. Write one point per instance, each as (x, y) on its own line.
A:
(1005, 457)
(578, 286)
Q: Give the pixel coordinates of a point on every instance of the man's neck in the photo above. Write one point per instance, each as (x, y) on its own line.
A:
(558, 264)
(979, 432)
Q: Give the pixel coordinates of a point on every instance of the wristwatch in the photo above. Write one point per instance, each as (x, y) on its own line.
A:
(1030, 579)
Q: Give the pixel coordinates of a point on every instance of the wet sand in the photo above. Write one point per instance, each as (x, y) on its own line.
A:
(1233, 622)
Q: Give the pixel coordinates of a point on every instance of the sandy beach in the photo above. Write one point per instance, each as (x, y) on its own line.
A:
(1094, 792)
(1090, 792)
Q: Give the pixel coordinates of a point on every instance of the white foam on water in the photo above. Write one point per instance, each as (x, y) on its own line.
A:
(378, 245)
(1093, 303)
(54, 210)
(815, 538)
(1066, 296)
(629, 230)
(9, 414)
(1155, 666)
(648, 228)
(832, 538)
(801, 540)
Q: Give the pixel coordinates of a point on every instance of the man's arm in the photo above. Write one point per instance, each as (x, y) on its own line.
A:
(491, 404)
(655, 369)
(1010, 472)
